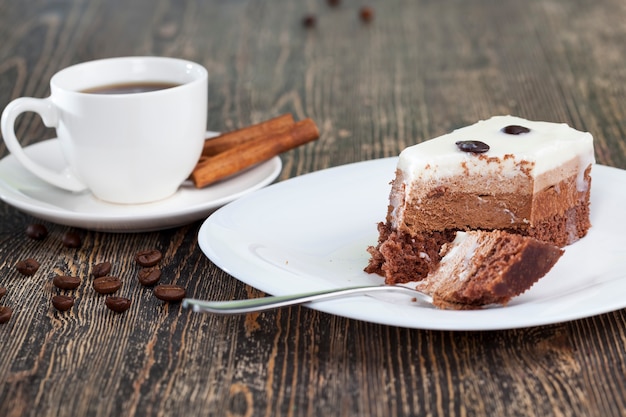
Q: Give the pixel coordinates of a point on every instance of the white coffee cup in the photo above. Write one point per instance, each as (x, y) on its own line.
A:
(126, 148)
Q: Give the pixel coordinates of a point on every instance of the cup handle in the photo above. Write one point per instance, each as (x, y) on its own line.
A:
(50, 117)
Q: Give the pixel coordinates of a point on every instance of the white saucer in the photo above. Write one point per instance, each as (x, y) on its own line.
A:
(22, 190)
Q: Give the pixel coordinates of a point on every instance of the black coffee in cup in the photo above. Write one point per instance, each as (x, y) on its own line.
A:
(130, 88)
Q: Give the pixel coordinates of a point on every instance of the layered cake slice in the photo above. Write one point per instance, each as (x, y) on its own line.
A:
(479, 268)
(506, 173)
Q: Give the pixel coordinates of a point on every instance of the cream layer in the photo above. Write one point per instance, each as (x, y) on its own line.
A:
(545, 148)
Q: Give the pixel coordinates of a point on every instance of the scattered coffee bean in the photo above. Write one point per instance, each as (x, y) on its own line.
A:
(149, 277)
(515, 130)
(170, 293)
(333, 3)
(106, 285)
(309, 21)
(3, 291)
(117, 304)
(101, 270)
(366, 14)
(72, 240)
(65, 282)
(36, 231)
(27, 266)
(148, 257)
(473, 146)
(62, 302)
(5, 314)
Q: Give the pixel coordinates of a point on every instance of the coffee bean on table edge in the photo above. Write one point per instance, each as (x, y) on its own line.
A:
(62, 302)
(27, 266)
(366, 14)
(148, 257)
(3, 291)
(117, 304)
(65, 282)
(149, 277)
(5, 314)
(71, 240)
(106, 285)
(309, 21)
(36, 231)
(170, 293)
(101, 270)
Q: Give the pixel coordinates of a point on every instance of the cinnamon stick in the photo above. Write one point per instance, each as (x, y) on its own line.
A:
(258, 132)
(214, 168)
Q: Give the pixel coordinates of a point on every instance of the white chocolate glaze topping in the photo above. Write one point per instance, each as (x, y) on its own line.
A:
(538, 149)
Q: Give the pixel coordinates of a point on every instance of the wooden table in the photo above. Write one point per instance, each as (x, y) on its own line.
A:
(417, 70)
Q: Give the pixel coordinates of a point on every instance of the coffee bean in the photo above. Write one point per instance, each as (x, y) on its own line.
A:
(3, 291)
(62, 302)
(473, 146)
(170, 293)
(100, 270)
(117, 304)
(65, 282)
(149, 277)
(148, 257)
(309, 21)
(27, 266)
(106, 285)
(36, 231)
(5, 314)
(333, 3)
(515, 130)
(72, 240)
(366, 14)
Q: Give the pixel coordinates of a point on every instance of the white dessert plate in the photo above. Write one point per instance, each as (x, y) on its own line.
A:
(311, 233)
(22, 190)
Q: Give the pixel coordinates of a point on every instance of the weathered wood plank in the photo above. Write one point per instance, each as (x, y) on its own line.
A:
(419, 69)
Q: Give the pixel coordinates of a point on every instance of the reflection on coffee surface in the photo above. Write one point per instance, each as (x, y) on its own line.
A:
(130, 88)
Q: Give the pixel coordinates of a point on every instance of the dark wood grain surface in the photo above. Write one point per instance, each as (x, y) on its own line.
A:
(419, 69)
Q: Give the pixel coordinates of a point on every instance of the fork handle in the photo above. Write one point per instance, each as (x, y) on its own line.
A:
(272, 302)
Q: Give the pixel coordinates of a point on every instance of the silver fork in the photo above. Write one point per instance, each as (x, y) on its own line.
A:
(268, 303)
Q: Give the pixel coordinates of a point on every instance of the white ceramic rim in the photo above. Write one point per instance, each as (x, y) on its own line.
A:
(108, 71)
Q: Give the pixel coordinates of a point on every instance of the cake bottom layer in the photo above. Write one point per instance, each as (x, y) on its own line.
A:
(400, 257)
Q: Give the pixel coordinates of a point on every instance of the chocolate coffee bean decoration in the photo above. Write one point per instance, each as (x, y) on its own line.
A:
(169, 293)
(473, 146)
(65, 282)
(515, 130)
(36, 231)
(148, 257)
(117, 304)
(106, 285)
(27, 266)
(5, 314)
(101, 270)
(62, 302)
(149, 277)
